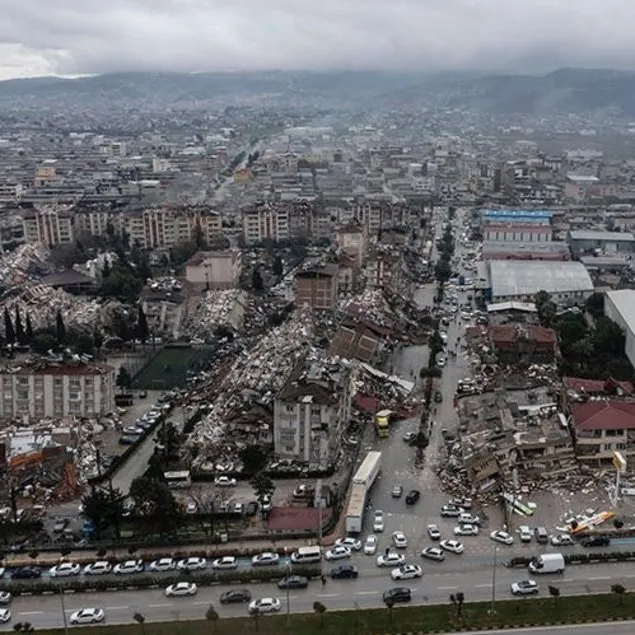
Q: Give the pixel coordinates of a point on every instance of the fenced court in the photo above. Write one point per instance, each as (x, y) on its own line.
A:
(171, 366)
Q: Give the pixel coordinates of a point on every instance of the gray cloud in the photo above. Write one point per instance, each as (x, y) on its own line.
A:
(84, 36)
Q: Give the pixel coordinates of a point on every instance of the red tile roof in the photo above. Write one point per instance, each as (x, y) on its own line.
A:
(604, 415)
(366, 403)
(597, 386)
(296, 518)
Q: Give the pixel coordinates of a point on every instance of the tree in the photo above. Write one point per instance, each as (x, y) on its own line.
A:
(155, 505)
(320, 609)
(619, 590)
(142, 326)
(60, 328)
(29, 329)
(618, 523)
(389, 605)
(545, 307)
(124, 380)
(278, 267)
(43, 342)
(9, 333)
(554, 592)
(595, 305)
(20, 335)
(211, 615)
(263, 486)
(253, 459)
(257, 283)
(458, 599)
(103, 508)
(141, 620)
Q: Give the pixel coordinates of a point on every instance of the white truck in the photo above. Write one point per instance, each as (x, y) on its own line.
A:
(547, 563)
(362, 482)
(368, 470)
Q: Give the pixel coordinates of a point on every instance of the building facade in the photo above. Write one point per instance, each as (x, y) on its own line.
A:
(317, 287)
(215, 269)
(50, 226)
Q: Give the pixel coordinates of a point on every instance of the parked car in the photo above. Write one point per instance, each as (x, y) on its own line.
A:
(129, 567)
(224, 481)
(352, 543)
(181, 589)
(524, 587)
(397, 491)
(265, 605)
(293, 582)
(407, 572)
(100, 567)
(397, 594)
(464, 503)
(5, 615)
(87, 616)
(26, 573)
(503, 537)
(433, 553)
(64, 570)
(192, 564)
(451, 511)
(562, 540)
(265, 559)
(5, 597)
(525, 533)
(596, 541)
(542, 535)
(344, 572)
(453, 546)
(399, 539)
(337, 553)
(466, 530)
(413, 496)
(468, 519)
(163, 564)
(370, 545)
(235, 596)
(378, 521)
(128, 439)
(226, 562)
(391, 559)
(433, 532)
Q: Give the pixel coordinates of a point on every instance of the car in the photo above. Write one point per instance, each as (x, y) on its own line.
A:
(87, 616)
(192, 564)
(453, 546)
(433, 553)
(64, 570)
(502, 536)
(294, 582)
(26, 573)
(407, 572)
(251, 509)
(337, 553)
(162, 564)
(370, 545)
(451, 511)
(226, 562)
(352, 543)
(129, 567)
(235, 596)
(397, 491)
(60, 525)
(596, 541)
(525, 533)
(265, 559)
(391, 559)
(463, 503)
(378, 521)
(192, 508)
(562, 540)
(466, 530)
(413, 496)
(399, 539)
(128, 439)
(344, 572)
(409, 437)
(100, 567)
(5, 597)
(542, 535)
(181, 589)
(524, 587)
(265, 605)
(468, 519)
(438, 396)
(224, 481)
(5, 615)
(397, 594)
(433, 532)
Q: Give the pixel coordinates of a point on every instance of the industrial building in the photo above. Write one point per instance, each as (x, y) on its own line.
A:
(215, 269)
(619, 306)
(522, 216)
(600, 242)
(567, 283)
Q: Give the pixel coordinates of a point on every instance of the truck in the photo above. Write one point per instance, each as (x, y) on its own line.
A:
(355, 509)
(368, 470)
(382, 423)
(547, 563)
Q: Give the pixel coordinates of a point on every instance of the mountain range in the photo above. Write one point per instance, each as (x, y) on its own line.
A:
(562, 91)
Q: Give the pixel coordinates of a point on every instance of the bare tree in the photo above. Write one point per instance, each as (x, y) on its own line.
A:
(320, 609)
(389, 605)
(211, 615)
(141, 620)
(554, 592)
(619, 590)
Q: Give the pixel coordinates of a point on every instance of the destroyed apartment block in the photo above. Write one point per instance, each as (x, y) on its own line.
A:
(218, 309)
(27, 262)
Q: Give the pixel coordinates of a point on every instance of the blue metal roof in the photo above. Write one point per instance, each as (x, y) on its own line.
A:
(517, 213)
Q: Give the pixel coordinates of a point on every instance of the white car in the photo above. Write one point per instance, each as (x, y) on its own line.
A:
(5, 597)
(192, 564)
(129, 566)
(265, 559)
(433, 553)
(5, 615)
(265, 605)
(181, 589)
(370, 546)
(352, 543)
(226, 562)
(399, 539)
(64, 570)
(466, 530)
(391, 559)
(101, 567)
(503, 537)
(378, 522)
(192, 508)
(224, 481)
(87, 616)
(163, 564)
(524, 587)
(469, 519)
(338, 553)
(407, 572)
(433, 532)
(453, 546)
(562, 540)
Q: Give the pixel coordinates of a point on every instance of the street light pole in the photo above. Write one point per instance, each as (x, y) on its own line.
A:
(493, 609)
(288, 572)
(63, 610)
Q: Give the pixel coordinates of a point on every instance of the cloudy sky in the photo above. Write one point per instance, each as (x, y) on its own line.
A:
(67, 37)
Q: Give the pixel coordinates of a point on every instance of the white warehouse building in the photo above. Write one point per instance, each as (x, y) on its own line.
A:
(619, 306)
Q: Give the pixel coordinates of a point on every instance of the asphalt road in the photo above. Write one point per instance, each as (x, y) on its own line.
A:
(434, 588)
(600, 628)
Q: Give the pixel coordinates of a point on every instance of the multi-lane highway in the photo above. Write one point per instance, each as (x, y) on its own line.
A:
(600, 628)
(365, 592)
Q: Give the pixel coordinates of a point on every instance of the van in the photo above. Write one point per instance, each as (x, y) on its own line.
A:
(542, 536)
(547, 563)
(306, 555)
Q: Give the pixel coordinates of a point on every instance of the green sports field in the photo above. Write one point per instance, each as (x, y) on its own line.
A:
(169, 368)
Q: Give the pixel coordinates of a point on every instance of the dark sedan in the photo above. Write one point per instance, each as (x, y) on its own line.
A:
(235, 596)
(397, 594)
(596, 541)
(293, 582)
(344, 571)
(26, 573)
(413, 496)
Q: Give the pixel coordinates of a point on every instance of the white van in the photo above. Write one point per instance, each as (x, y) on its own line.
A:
(306, 555)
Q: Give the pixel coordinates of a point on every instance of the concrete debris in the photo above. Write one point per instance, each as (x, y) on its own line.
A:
(24, 263)
(218, 308)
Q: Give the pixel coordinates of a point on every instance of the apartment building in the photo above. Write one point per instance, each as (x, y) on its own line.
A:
(317, 287)
(44, 390)
(50, 225)
(352, 239)
(215, 269)
(265, 222)
(311, 413)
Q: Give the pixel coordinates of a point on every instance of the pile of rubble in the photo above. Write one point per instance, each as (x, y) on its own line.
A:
(16, 267)
(42, 303)
(218, 308)
(371, 305)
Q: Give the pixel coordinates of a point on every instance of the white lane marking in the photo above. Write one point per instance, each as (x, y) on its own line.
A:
(482, 586)
(30, 612)
(117, 608)
(328, 595)
(601, 577)
(200, 602)
(158, 606)
(447, 588)
(367, 593)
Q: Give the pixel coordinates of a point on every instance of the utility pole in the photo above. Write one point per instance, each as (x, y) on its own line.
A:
(63, 610)
(288, 573)
(493, 607)
(318, 502)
